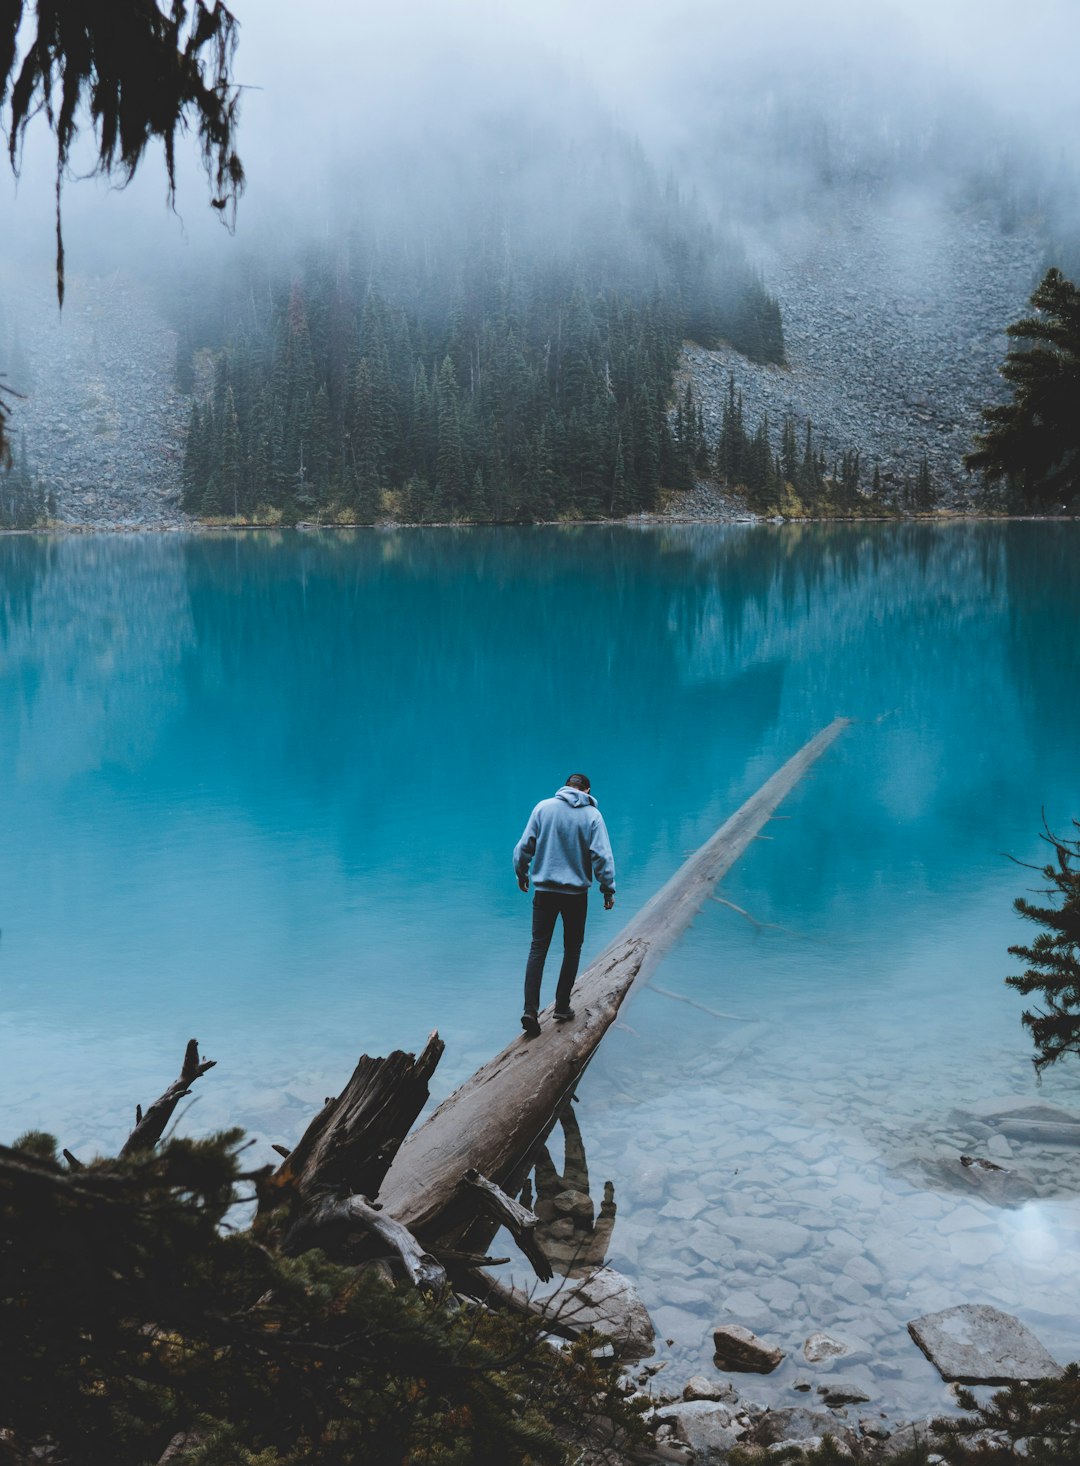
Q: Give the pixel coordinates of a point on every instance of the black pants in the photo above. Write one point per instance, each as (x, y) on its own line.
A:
(547, 905)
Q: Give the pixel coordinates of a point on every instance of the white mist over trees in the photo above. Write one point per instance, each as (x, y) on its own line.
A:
(431, 133)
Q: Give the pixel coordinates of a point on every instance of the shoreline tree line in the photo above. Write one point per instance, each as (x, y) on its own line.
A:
(472, 381)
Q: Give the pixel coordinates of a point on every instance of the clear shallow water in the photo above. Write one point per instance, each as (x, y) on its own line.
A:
(263, 789)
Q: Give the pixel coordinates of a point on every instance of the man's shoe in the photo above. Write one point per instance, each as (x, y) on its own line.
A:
(563, 1017)
(531, 1024)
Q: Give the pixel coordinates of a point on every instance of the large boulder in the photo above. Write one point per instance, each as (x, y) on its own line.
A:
(704, 1425)
(737, 1348)
(800, 1426)
(609, 1303)
(975, 1344)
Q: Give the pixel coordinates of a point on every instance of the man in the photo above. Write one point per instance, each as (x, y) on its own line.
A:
(566, 841)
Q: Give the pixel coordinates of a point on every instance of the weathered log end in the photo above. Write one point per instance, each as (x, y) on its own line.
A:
(349, 1145)
(335, 1222)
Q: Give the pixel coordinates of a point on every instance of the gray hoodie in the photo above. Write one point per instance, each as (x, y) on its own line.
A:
(567, 842)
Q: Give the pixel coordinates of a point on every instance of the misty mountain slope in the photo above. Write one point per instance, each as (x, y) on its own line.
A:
(894, 320)
(103, 423)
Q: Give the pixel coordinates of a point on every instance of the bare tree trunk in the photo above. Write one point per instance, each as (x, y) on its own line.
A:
(149, 1128)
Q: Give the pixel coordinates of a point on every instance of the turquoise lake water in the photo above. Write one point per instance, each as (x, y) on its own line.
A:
(263, 789)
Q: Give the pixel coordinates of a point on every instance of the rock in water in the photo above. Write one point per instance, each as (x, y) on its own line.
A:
(706, 1427)
(798, 1426)
(700, 1388)
(837, 1392)
(608, 1303)
(975, 1344)
(737, 1348)
(821, 1346)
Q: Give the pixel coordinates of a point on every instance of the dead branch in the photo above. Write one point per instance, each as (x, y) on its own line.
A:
(519, 1222)
(451, 1257)
(762, 926)
(150, 1127)
(331, 1217)
(486, 1289)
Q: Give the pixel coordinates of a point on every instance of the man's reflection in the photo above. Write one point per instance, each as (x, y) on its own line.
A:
(575, 1239)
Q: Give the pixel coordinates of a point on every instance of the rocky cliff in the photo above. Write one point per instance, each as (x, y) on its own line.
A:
(103, 423)
(894, 321)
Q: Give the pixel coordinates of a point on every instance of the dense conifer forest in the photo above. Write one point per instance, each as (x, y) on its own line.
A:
(482, 371)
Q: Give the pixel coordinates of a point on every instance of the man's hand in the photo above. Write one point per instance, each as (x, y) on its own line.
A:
(609, 901)
(523, 883)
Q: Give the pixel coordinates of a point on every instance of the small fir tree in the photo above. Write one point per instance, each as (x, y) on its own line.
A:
(1053, 957)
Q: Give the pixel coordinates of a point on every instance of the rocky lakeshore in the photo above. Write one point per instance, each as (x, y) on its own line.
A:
(824, 1214)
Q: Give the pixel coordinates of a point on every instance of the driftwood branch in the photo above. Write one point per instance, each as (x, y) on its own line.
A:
(349, 1214)
(518, 1220)
(451, 1257)
(486, 1289)
(495, 1120)
(693, 1003)
(149, 1128)
(761, 926)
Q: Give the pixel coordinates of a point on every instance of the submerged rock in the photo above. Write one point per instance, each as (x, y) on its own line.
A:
(737, 1348)
(975, 1344)
(837, 1392)
(820, 1346)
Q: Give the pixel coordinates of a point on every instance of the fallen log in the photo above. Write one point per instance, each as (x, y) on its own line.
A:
(495, 1120)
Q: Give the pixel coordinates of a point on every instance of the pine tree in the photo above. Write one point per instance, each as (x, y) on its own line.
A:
(321, 446)
(450, 459)
(229, 462)
(1054, 956)
(810, 475)
(366, 442)
(1033, 442)
(558, 400)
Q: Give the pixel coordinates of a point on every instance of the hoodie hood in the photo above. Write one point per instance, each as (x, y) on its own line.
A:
(575, 797)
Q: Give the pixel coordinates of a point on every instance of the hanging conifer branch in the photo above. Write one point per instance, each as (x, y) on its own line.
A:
(141, 73)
